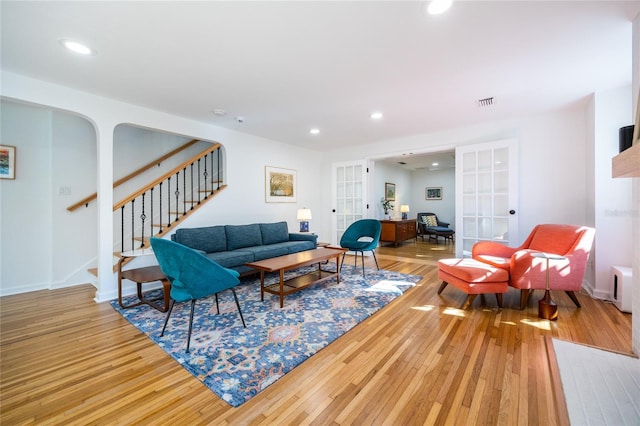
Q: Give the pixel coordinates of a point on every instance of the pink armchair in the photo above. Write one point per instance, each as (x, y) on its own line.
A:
(527, 273)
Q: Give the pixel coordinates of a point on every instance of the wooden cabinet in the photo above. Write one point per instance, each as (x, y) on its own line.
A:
(398, 230)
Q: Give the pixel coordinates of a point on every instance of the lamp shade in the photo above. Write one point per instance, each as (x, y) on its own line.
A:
(304, 214)
(404, 208)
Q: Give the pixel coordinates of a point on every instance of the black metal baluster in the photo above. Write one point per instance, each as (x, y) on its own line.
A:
(151, 227)
(199, 181)
(192, 201)
(169, 201)
(177, 195)
(133, 216)
(184, 191)
(143, 217)
(122, 229)
(218, 151)
(160, 206)
(212, 177)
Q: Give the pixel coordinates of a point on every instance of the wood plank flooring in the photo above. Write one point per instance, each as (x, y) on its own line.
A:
(67, 360)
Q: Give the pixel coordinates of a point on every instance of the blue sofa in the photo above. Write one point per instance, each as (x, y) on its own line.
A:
(232, 246)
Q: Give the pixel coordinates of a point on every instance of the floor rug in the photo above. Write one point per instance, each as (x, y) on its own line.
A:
(600, 387)
(237, 363)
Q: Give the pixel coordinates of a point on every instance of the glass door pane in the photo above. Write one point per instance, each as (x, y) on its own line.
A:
(486, 206)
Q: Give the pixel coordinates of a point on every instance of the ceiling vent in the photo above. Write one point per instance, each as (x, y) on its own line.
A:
(485, 102)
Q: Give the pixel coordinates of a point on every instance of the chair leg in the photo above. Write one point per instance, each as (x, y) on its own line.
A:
(499, 298)
(524, 298)
(193, 305)
(468, 302)
(374, 258)
(342, 263)
(166, 319)
(238, 305)
(442, 286)
(574, 298)
(362, 257)
(217, 304)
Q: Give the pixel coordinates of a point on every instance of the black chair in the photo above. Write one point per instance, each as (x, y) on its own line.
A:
(362, 235)
(432, 227)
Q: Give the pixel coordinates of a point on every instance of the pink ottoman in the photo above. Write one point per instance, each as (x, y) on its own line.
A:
(473, 277)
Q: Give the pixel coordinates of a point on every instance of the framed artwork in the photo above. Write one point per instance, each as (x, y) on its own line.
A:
(433, 193)
(390, 191)
(7, 162)
(280, 185)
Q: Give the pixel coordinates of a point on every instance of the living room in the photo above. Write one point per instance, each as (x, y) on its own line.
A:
(65, 134)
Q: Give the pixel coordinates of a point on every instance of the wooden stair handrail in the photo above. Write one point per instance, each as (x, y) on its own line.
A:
(130, 176)
(165, 176)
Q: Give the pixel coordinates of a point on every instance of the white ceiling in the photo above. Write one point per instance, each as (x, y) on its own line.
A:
(289, 66)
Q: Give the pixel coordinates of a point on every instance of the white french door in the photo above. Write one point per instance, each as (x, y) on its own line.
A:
(349, 195)
(486, 194)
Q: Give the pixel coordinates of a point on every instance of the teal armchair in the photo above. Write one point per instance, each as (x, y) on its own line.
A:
(362, 235)
(192, 276)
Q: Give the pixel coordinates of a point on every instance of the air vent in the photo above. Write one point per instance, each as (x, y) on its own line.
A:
(402, 163)
(485, 102)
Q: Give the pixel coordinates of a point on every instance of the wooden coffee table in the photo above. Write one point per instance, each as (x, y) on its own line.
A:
(296, 260)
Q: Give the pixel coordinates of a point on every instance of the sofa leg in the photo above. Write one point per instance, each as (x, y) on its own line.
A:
(499, 299)
(442, 286)
(468, 302)
(573, 297)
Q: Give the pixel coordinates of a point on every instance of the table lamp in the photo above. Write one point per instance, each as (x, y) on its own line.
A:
(304, 215)
(404, 209)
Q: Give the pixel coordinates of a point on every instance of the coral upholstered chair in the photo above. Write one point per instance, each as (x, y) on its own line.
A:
(527, 273)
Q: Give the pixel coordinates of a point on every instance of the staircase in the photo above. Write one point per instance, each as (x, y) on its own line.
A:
(159, 206)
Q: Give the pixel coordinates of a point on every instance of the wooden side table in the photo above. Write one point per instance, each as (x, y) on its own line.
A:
(547, 307)
(144, 275)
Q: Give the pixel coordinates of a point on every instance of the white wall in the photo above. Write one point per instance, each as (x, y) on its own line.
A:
(26, 229)
(389, 173)
(612, 209)
(445, 209)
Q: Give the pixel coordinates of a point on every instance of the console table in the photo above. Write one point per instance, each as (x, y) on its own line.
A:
(398, 230)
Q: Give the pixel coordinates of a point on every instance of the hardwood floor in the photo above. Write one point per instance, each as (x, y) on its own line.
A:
(67, 360)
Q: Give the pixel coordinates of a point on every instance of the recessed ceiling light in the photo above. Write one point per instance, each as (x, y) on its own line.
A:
(376, 115)
(437, 7)
(219, 112)
(77, 47)
(435, 164)
(314, 131)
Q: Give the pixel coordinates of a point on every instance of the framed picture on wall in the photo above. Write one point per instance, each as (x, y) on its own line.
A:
(280, 185)
(433, 193)
(390, 191)
(7, 162)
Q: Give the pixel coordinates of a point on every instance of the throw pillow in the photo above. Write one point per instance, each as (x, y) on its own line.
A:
(430, 220)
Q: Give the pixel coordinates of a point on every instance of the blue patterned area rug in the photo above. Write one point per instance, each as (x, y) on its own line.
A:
(237, 363)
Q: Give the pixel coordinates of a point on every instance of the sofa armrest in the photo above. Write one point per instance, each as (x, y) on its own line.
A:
(491, 248)
(294, 236)
(441, 223)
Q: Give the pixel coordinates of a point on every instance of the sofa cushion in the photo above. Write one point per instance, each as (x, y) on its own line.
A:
(267, 251)
(208, 239)
(240, 236)
(297, 246)
(274, 232)
(230, 259)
